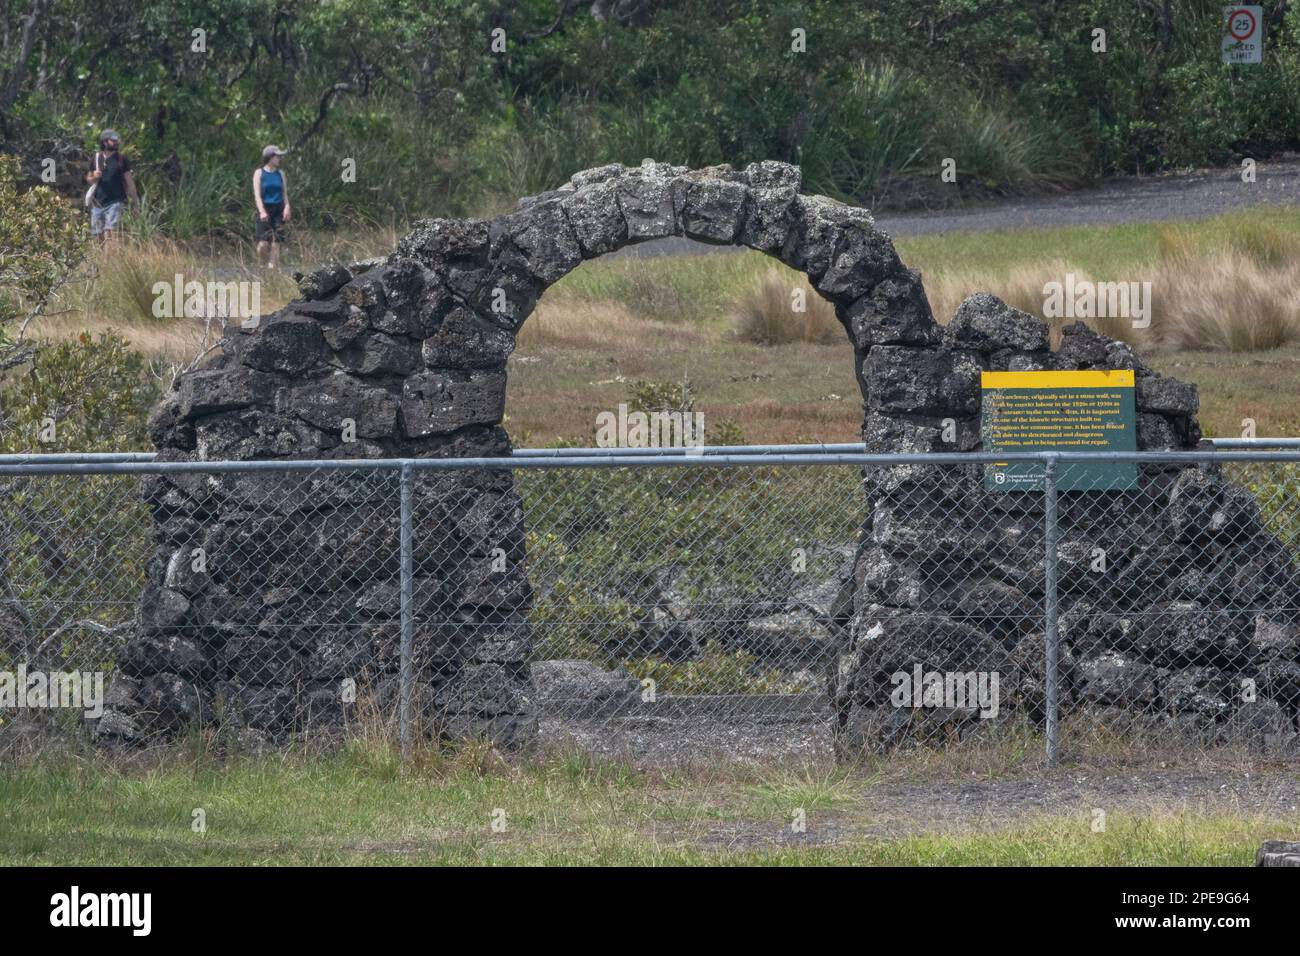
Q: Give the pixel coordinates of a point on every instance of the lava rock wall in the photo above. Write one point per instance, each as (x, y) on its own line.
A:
(296, 595)
(406, 357)
(1178, 608)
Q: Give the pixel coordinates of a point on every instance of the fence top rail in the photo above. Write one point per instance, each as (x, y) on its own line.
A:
(503, 463)
(712, 451)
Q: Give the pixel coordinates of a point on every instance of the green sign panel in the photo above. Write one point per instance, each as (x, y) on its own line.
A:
(1059, 411)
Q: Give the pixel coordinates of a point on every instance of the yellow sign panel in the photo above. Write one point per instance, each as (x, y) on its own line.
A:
(1115, 378)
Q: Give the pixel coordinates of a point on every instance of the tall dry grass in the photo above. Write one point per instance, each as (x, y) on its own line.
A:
(567, 321)
(1239, 292)
(1230, 302)
(765, 313)
(1235, 287)
(1024, 288)
(119, 293)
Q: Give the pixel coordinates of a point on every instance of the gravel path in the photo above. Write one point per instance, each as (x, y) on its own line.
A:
(998, 802)
(1122, 199)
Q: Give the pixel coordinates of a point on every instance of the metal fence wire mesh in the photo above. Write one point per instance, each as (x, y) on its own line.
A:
(867, 604)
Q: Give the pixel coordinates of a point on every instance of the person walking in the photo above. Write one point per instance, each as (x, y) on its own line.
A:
(271, 194)
(112, 184)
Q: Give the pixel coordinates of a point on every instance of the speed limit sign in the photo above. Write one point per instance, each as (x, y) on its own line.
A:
(1243, 35)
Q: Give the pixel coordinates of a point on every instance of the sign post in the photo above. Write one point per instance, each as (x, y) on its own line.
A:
(1243, 35)
(1059, 411)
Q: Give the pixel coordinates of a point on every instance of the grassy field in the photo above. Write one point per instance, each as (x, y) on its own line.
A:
(608, 327)
(613, 323)
(359, 807)
(1226, 295)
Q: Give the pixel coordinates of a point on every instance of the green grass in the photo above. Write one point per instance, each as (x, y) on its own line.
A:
(359, 808)
(1103, 251)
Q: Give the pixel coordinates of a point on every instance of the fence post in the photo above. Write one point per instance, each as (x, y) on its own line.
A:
(1052, 646)
(404, 678)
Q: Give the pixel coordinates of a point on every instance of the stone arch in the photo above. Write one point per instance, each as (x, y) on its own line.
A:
(409, 353)
(492, 272)
(411, 350)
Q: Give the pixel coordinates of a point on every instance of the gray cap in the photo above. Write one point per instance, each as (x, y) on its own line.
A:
(109, 134)
(271, 151)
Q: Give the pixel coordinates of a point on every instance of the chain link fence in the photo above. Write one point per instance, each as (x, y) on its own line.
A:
(752, 603)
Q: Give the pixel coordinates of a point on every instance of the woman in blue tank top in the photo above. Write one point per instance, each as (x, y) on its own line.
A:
(271, 194)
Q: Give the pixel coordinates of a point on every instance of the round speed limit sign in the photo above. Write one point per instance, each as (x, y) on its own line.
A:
(1243, 40)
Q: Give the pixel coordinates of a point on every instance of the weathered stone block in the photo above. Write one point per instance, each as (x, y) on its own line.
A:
(647, 207)
(156, 653)
(547, 240)
(894, 312)
(715, 210)
(1168, 396)
(463, 340)
(597, 219)
(330, 402)
(380, 354)
(437, 402)
(290, 346)
(323, 282)
(220, 390)
(923, 381)
(985, 323)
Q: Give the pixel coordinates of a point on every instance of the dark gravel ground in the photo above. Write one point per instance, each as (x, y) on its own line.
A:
(1123, 199)
(690, 730)
(664, 741)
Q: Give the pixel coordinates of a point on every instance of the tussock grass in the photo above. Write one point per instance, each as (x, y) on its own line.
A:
(1236, 291)
(1227, 303)
(765, 313)
(1023, 288)
(1241, 294)
(808, 787)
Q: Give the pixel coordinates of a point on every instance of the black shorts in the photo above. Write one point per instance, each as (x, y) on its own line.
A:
(269, 229)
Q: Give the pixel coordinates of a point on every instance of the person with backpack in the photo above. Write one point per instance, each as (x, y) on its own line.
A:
(271, 194)
(112, 183)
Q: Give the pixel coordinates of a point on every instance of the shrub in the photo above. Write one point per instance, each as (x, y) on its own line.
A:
(41, 246)
(662, 397)
(97, 394)
(73, 552)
